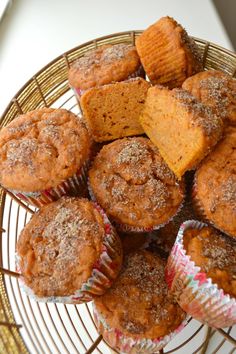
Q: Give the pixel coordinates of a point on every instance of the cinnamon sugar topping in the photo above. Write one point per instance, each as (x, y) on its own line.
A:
(142, 282)
(202, 115)
(192, 46)
(229, 192)
(218, 91)
(107, 54)
(132, 152)
(219, 251)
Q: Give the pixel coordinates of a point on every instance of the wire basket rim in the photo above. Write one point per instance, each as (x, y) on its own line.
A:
(203, 41)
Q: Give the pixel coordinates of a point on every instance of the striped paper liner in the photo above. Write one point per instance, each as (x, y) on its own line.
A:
(105, 270)
(125, 344)
(194, 292)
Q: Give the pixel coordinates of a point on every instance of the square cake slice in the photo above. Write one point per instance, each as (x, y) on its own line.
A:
(112, 111)
(181, 127)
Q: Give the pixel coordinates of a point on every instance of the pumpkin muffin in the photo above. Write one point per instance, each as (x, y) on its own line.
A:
(112, 111)
(145, 328)
(130, 180)
(200, 274)
(68, 252)
(181, 127)
(44, 154)
(215, 254)
(216, 89)
(168, 54)
(214, 191)
(106, 64)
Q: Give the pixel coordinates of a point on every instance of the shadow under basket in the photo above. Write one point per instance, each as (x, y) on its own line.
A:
(30, 327)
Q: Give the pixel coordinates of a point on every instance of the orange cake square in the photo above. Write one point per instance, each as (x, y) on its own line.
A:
(181, 127)
(112, 111)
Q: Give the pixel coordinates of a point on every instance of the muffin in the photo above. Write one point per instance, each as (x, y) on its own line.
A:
(201, 274)
(215, 255)
(104, 65)
(132, 183)
(68, 252)
(168, 54)
(214, 191)
(112, 111)
(216, 89)
(44, 154)
(183, 129)
(145, 328)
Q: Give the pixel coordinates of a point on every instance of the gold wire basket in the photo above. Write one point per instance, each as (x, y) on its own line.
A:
(27, 326)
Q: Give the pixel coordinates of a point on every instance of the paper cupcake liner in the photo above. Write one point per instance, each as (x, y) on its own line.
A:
(138, 73)
(104, 272)
(125, 344)
(194, 292)
(129, 229)
(73, 185)
(201, 212)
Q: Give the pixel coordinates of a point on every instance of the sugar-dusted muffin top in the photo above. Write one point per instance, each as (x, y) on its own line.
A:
(215, 254)
(138, 303)
(106, 64)
(133, 184)
(215, 185)
(42, 148)
(216, 89)
(58, 248)
(167, 53)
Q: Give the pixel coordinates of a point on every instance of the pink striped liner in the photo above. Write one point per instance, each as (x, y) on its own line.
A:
(194, 292)
(72, 185)
(105, 270)
(125, 344)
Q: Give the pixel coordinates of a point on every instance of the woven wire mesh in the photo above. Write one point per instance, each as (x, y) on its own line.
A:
(28, 326)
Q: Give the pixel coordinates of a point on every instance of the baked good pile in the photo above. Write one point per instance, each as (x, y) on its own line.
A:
(137, 196)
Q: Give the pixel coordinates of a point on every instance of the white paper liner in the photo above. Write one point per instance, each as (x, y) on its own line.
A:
(195, 293)
(103, 274)
(73, 184)
(126, 344)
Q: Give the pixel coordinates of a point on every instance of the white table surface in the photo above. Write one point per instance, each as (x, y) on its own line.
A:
(33, 32)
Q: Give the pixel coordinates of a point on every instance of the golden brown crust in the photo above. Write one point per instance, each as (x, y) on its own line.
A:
(215, 185)
(133, 184)
(59, 247)
(141, 282)
(181, 127)
(112, 111)
(215, 255)
(167, 53)
(106, 64)
(42, 148)
(216, 89)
